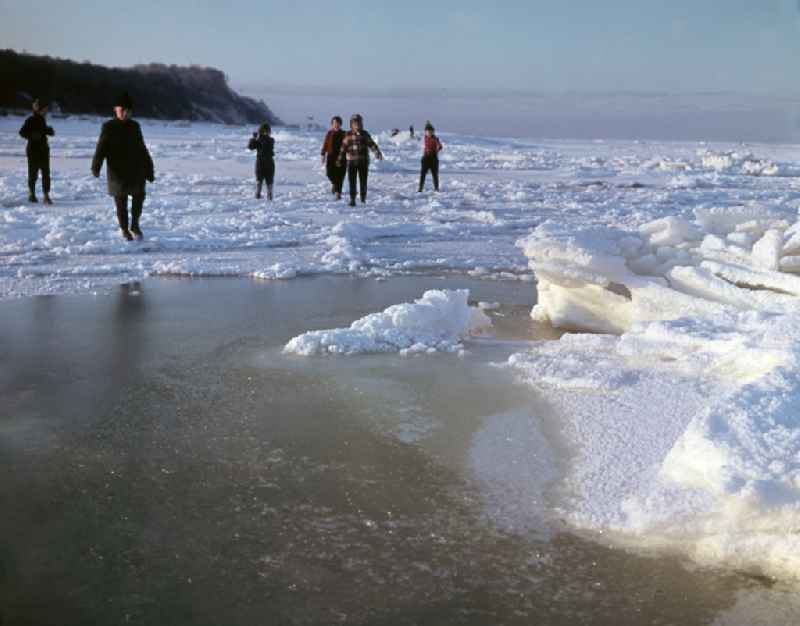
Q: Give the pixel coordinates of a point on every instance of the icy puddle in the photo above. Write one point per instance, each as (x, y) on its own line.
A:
(163, 461)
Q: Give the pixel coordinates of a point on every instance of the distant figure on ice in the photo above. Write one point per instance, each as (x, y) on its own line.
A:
(330, 152)
(356, 146)
(411, 131)
(128, 164)
(430, 158)
(36, 130)
(264, 145)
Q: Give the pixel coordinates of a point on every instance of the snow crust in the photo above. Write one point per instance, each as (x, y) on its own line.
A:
(685, 412)
(436, 322)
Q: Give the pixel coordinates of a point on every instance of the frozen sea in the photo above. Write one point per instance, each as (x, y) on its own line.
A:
(382, 398)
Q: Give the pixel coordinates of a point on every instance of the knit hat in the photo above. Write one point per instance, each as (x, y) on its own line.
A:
(356, 117)
(123, 100)
(429, 126)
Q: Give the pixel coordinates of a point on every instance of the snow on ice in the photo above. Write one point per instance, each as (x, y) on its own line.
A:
(436, 322)
(685, 413)
(681, 407)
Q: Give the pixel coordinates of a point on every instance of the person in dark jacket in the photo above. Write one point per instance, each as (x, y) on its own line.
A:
(430, 157)
(264, 145)
(330, 152)
(128, 164)
(35, 130)
(355, 148)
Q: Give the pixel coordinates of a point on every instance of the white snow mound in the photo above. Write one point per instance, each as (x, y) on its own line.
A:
(436, 322)
(685, 414)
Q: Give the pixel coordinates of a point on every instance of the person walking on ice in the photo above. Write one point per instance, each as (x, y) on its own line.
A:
(430, 158)
(128, 165)
(330, 152)
(35, 130)
(264, 145)
(355, 148)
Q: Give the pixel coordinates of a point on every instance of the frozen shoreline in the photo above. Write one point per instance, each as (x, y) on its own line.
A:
(682, 417)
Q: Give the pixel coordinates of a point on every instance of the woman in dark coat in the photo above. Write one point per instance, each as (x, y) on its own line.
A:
(129, 165)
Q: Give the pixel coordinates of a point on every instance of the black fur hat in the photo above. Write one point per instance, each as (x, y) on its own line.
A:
(123, 100)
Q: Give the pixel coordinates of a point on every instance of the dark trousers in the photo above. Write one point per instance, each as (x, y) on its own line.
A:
(429, 163)
(39, 160)
(137, 202)
(358, 169)
(335, 173)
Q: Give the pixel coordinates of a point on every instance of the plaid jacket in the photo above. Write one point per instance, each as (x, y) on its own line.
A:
(356, 147)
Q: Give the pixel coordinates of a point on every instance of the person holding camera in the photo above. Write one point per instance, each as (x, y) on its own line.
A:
(35, 130)
(355, 147)
(128, 165)
(264, 145)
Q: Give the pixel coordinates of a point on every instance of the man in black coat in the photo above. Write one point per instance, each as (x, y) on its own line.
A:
(36, 130)
(129, 165)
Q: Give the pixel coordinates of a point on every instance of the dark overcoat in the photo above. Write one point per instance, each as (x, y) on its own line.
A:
(264, 145)
(128, 163)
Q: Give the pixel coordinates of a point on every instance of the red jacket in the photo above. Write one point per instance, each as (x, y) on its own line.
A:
(432, 146)
(333, 142)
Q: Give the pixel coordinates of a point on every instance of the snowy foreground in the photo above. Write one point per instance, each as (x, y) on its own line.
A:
(681, 409)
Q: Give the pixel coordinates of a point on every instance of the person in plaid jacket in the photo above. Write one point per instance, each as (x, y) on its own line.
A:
(355, 149)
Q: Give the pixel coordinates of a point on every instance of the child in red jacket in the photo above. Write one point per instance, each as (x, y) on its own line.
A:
(430, 158)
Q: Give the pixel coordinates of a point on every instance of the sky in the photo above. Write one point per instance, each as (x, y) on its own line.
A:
(550, 46)
(681, 69)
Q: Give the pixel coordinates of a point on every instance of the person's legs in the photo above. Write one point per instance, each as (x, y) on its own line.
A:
(121, 203)
(331, 173)
(33, 174)
(339, 174)
(45, 166)
(352, 172)
(363, 171)
(137, 203)
(435, 174)
(259, 182)
(423, 172)
(270, 179)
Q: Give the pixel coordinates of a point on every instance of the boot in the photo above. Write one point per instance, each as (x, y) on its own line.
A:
(126, 234)
(137, 233)
(258, 190)
(32, 197)
(338, 195)
(352, 202)
(269, 193)
(47, 199)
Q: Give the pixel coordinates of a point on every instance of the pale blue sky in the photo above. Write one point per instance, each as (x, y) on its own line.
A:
(747, 46)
